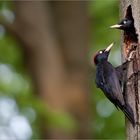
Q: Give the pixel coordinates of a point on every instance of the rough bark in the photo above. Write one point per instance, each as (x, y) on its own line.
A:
(54, 36)
(133, 84)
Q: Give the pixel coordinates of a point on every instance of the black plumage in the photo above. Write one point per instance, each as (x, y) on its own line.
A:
(127, 25)
(108, 81)
(130, 35)
(122, 73)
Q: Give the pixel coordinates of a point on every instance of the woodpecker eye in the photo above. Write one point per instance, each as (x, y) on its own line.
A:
(100, 52)
(124, 21)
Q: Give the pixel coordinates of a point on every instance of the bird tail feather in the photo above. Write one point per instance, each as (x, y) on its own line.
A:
(129, 113)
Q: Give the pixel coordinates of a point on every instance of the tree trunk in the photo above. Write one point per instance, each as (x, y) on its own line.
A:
(132, 89)
(54, 36)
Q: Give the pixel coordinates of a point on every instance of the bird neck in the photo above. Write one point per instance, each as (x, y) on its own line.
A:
(103, 61)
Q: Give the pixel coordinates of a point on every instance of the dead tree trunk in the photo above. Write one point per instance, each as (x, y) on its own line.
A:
(132, 89)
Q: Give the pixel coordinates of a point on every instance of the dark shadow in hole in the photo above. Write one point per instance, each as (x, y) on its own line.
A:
(129, 29)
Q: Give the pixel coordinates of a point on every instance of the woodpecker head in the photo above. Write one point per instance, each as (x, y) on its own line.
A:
(102, 55)
(125, 24)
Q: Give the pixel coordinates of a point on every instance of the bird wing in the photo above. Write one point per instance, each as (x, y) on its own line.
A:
(121, 71)
(112, 85)
(107, 79)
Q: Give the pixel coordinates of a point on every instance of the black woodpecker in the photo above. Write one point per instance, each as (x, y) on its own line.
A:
(127, 25)
(107, 80)
(130, 35)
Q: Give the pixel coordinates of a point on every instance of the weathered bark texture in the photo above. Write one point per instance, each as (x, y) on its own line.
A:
(54, 36)
(132, 90)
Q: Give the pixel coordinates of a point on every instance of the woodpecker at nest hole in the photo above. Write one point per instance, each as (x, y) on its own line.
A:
(107, 80)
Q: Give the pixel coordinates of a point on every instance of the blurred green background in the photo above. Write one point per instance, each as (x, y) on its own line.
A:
(21, 110)
(107, 121)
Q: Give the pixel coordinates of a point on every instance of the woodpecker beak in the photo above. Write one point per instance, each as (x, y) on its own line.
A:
(109, 47)
(117, 26)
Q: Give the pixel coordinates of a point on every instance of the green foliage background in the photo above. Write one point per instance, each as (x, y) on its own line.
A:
(106, 121)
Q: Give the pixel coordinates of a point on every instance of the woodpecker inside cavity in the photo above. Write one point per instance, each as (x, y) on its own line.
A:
(107, 80)
(130, 35)
(127, 25)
